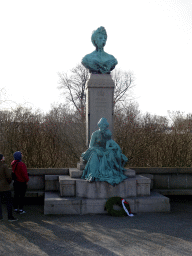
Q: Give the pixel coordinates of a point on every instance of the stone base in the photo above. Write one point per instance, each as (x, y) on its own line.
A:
(102, 189)
(78, 196)
(137, 186)
(54, 204)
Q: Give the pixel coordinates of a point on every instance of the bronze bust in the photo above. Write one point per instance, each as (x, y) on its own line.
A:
(99, 62)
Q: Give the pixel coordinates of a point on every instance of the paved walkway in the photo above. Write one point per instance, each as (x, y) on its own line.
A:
(37, 234)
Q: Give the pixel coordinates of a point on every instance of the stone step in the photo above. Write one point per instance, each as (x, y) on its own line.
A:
(174, 192)
(143, 185)
(129, 173)
(52, 182)
(75, 173)
(67, 186)
(54, 204)
(138, 186)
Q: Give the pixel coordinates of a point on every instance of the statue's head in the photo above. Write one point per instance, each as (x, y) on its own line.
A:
(108, 134)
(99, 37)
(103, 124)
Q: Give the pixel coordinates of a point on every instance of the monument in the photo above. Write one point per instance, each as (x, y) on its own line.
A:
(100, 86)
(100, 174)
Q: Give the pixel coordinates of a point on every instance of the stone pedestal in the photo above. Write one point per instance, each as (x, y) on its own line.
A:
(99, 102)
(78, 196)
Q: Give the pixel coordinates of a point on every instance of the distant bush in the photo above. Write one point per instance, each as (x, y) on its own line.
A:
(57, 139)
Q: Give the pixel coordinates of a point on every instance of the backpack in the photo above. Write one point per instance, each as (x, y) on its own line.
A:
(13, 173)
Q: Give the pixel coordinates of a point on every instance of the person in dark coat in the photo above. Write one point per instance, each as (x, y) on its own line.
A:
(21, 179)
(5, 190)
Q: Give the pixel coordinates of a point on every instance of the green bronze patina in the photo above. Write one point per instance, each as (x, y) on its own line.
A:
(99, 62)
(104, 158)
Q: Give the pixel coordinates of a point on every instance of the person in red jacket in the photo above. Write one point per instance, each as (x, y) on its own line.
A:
(21, 179)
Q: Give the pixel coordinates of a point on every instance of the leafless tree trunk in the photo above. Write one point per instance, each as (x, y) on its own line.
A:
(74, 88)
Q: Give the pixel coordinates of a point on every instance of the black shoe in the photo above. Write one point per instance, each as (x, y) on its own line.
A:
(11, 219)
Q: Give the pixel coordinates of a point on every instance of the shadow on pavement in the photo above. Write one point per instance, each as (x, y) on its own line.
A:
(144, 234)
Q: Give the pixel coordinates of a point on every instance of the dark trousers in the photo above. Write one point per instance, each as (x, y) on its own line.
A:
(8, 199)
(19, 194)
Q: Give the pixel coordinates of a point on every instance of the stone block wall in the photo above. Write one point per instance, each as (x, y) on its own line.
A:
(167, 181)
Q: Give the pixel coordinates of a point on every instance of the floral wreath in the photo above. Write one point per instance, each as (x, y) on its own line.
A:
(126, 210)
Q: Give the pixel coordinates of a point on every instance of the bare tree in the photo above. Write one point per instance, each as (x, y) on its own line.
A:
(74, 86)
(124, 82)
(181, 123)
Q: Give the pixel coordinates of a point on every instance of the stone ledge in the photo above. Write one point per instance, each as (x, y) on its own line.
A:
(47, 171)
(174, 192)
(54, 204)
(143, 185)
(162, 170)
(129, 173)
(52, 182)
(142, 179)
(151, 177)
(100, 80)
(51, 177)
(66, 180)
(67, 186)
(153, 203)
(75, 173)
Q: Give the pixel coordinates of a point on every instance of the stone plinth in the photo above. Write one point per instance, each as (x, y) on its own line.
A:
(54, 204)
(51, 182)
(78, 196)
(137, 186)
(143, 186)
(153, 203)
(101, 189)
(67, 186)
(129, 173)
(99, 102)
(75, 173)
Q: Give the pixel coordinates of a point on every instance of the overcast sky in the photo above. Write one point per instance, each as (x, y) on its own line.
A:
(151, 38)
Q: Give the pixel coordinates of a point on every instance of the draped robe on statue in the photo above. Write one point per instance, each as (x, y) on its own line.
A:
(104, 159)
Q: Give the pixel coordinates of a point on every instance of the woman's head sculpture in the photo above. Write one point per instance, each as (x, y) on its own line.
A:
(95, 35)
(103, 124)
(99, 62)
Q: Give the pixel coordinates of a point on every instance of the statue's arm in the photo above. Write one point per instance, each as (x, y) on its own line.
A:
(92, 141)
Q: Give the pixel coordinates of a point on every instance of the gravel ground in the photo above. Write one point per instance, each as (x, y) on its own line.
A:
(144, 234)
